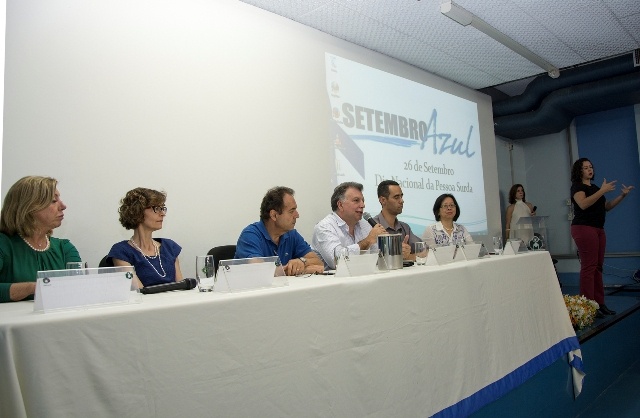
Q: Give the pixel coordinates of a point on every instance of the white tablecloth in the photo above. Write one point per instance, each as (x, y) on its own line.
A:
(421, 341)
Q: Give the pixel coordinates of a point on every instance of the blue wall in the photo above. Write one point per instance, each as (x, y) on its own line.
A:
(609, 140)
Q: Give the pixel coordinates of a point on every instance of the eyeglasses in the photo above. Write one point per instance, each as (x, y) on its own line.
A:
(159, 209)
(452, 206)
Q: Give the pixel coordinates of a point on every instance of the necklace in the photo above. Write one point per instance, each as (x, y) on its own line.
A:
(147, 257)
(40, 250)
(447, 229)
(155, 246)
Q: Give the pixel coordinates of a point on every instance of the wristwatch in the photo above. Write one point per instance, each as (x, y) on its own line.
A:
(304, 261)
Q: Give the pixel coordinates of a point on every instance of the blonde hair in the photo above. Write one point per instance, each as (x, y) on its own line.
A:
(27, 196)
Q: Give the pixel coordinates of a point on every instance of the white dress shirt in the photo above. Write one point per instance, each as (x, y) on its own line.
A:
(333, 232)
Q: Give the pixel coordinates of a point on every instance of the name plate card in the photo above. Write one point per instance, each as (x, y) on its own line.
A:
(512, 247)
(448, 254)
(471, 251)
(85, 288)
(431, 257)
(365, 263)
(250, 274)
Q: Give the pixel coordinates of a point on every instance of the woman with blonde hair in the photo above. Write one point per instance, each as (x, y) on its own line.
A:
(32, 209)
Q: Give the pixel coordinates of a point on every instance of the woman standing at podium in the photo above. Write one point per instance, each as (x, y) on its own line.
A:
(31, 211)
(587, 228)
(154, 259)
(518, 208)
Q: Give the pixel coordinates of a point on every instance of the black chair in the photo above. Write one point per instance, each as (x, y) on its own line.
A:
(106, 262)
(222, 252)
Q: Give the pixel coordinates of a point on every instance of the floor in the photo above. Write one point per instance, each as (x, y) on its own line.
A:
(622, 398)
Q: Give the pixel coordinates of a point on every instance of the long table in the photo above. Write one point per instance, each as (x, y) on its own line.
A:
(441, 340)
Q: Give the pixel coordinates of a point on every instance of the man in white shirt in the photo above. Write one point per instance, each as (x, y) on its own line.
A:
(344, 227)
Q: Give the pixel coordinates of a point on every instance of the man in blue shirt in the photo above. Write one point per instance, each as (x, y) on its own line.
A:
(274, 234)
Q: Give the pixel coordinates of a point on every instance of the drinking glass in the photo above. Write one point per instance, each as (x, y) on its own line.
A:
(422, 250)
(497, 245)
(205, 273)
(76, 267)
(339, 253)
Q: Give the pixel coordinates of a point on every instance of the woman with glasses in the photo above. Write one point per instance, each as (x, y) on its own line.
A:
(587, 228)
(32, 209)
(155, 259)
(446, 231)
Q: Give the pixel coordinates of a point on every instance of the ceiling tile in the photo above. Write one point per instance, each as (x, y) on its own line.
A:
(378, 9)
(623, 9)
(341, 22)
(632, 26)
(564, 33)
(288, 8)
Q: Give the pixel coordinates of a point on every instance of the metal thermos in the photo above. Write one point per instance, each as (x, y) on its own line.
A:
(390, 246)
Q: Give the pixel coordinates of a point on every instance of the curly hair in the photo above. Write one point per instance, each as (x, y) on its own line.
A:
(576, 170)
(27, 196)
(512, 193)
(134, 203)
(438, 203)
(274, 200)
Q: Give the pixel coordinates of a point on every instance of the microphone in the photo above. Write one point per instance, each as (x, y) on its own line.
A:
(534, 208)
(369, 219)
(185, 284)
